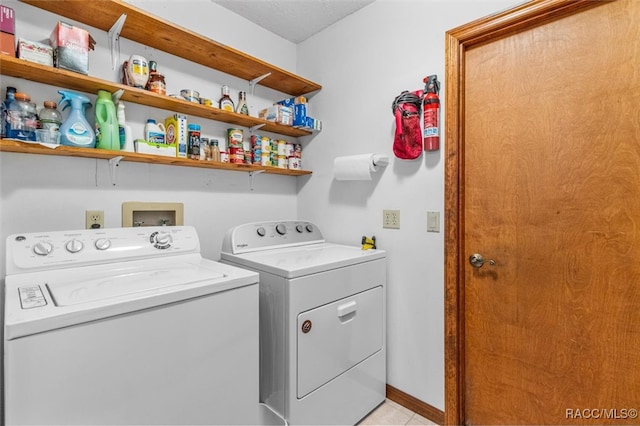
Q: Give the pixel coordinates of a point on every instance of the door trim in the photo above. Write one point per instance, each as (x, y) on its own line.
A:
(458, 41)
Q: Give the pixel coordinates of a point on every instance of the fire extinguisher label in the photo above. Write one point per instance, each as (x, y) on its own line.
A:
(430, 131)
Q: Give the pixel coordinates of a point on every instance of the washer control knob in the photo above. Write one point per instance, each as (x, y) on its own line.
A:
(309, 227)
(161, 240)
(281, 229)
(42, 249)
(74, 246)
(103, 243)
(300, 229)
(261, 231)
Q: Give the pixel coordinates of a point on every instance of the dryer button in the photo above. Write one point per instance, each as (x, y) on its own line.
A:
(281, 229)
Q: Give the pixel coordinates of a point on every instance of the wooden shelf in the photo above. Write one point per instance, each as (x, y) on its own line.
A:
(149, 30)
(11, 145)
(70, 80)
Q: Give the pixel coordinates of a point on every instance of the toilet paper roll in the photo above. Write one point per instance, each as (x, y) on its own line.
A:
(354, 167)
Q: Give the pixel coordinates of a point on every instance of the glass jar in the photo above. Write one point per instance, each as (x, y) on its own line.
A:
(157, 84)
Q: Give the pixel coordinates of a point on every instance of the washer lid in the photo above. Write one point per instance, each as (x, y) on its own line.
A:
(293, 262)
(93, 287)
(43, 301)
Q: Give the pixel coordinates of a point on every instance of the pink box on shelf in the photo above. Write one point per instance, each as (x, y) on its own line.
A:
(7, 20)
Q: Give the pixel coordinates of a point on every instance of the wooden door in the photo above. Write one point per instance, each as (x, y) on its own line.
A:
(543, 177)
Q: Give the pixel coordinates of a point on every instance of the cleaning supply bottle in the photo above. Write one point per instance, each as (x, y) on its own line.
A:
(126, 138)
(76, 130)
(107, 131)
(154, 132)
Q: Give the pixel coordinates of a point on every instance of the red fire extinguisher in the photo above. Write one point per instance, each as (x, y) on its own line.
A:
(431, 113)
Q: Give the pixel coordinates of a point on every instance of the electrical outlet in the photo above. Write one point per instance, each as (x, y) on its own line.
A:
(391, 219)
(94, 219)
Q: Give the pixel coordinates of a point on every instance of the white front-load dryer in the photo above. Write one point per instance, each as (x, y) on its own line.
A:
(322, 321)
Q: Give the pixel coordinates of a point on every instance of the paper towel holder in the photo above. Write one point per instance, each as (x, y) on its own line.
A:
(380, 160)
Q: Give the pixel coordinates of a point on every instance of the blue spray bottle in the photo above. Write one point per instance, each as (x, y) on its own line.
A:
(76, 130)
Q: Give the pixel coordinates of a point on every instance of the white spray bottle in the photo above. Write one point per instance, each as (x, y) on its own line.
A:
(126, 135)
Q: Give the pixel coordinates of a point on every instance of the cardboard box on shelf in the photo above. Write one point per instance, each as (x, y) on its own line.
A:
(71, 47)
(145, 147)
(177, 134)
(33, 51)
(7, 20)
(8, 44)
(277, 113)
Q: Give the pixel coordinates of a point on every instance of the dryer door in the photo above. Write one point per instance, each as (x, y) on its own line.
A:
(335, 337)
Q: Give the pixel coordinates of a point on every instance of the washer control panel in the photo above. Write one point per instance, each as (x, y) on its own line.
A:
(48, 250)
(265, 235)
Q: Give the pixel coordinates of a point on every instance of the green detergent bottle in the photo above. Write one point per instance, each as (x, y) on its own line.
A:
(107, 129)
(76, 130)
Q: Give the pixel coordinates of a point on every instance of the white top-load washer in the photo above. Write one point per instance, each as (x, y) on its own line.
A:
(322, 321)
(127, 326)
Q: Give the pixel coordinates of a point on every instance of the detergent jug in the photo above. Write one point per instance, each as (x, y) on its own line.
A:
(76, 130)
(107, 129)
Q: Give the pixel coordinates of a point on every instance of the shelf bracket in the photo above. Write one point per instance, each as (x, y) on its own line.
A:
(113, 163)
(254, 128)
(252, 86)
(252, 175)
(114, 35)
(257, 80)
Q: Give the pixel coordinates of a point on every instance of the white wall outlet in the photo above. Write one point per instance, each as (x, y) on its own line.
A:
(94, 219)
(391, 219)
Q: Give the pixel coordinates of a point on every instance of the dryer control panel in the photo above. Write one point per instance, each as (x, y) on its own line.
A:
(30, 252)
(266, 235)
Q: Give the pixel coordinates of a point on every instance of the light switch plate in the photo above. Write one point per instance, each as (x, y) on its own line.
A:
(433, 221)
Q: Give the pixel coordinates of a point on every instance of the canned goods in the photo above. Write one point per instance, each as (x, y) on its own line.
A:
(256, 142)
(297, 151)
(224, 157)
(295, 163)
(265, 159)
(288, 150)
(248, 156)
(235, 137)
(282, 162)
(282, 147)
(257, 154)
(266, 143)
(236, 155)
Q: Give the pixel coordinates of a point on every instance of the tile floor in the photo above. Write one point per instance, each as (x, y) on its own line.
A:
(390, 413)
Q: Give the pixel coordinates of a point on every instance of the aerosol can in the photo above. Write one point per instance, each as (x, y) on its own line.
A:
(76, 130)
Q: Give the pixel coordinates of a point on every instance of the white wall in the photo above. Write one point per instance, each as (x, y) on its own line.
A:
(40, 193)
(363, 62)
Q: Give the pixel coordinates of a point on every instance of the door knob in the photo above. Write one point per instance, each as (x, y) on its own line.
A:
(476, 260)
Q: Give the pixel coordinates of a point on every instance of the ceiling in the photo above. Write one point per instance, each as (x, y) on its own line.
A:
(294, 20)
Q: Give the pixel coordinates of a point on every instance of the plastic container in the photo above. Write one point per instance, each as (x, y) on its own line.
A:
(107, 130)
(22, 119)
(193, 147)
(154, 132)
(50, 122)
(126, 135)
(215, 150)
(76, 130)
(225, 102)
